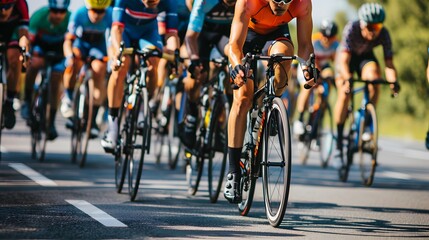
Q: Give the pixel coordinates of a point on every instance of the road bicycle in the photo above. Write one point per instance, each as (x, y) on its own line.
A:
(165, 127)
(362, 136)
(41, 108)
(211, 145)
(134, 134)
(267, 143)
(83, 106)
(318, 127)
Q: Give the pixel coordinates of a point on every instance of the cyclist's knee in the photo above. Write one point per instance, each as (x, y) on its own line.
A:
(242, 104)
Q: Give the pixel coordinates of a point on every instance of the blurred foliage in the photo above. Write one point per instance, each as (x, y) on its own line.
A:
(408, 25)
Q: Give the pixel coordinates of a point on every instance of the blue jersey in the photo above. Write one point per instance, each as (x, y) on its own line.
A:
(82, 28)
(133, 13)
(210, 14)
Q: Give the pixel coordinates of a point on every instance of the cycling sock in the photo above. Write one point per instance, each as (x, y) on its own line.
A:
(94, 115)
(69, 93)
(113, 112)
(301, 116)
(191, 108)
(234, 159)
(340, 128)
(53, 116)
(112, 127)
(11, 95)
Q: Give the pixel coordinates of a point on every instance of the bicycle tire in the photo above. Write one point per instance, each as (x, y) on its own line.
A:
(194, 168)
(1, 114)
(76, 131)
(249, 174)
(368, 150)
(138, 136)
(218, 147)
(343, 171)
(121, 159)
(40, 117)
(304, 145)
(325, 134)
(277, 127)
(86, 118)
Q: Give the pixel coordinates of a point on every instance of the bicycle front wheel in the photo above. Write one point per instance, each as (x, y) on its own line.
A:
(368, 147)
(276, 164)
(218, 146)
(39, 127)
(325, 134)
(139, 130)
(84, 110)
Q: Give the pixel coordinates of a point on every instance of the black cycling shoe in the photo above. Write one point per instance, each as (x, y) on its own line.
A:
(52, 133)
(232, 188)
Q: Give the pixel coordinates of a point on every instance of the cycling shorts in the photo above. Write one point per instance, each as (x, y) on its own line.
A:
(87, 49)
(58, 66)
(357, 62)
(145, 35)
(255, 42)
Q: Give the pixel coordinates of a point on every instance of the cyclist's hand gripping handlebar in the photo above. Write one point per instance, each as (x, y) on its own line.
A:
(311, 73)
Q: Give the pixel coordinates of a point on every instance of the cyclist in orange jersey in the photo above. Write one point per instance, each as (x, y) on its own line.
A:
(255, 23)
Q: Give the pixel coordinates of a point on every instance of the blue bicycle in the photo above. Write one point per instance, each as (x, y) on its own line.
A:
(362, 137)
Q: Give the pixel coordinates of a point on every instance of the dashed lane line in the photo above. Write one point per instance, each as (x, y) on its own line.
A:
(33, 175)
(96, 213)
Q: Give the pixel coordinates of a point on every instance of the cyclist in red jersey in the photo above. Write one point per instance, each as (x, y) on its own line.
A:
(14, 20)
(255, 23)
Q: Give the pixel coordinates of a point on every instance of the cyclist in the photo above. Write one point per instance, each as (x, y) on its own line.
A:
(47, 28)
(86, 37)
(255, 23)
(134, 22)
(208, 27)
(14, 20)
(355, 54)
(325, 45)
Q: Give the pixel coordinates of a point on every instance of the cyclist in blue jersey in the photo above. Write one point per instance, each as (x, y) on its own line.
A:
(355, 54)
(86, 37)
(14, 33)
(134, 22)
(209, 26)
(48, 26)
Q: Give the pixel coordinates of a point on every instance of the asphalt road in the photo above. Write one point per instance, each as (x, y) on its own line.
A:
(65, 201)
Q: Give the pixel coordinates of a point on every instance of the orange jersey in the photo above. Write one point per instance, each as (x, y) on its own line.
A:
(263, 21)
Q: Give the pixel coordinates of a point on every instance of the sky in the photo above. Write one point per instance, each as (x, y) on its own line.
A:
(322, 9)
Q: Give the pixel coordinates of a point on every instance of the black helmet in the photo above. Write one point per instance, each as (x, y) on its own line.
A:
(328, 28)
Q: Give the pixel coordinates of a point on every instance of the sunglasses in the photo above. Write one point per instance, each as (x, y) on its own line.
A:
(6, 6)
(374, 27)
(57, 10)
(98, 11)
(282, 2)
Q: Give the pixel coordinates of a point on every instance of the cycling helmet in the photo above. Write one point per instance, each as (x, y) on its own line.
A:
(59, 4)
(7, 1)
(371, 13)
(328, 28)
(97, 4)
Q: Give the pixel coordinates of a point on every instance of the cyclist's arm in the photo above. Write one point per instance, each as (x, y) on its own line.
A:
(390, 70)
(304, 32)
(239, 30)
(343, 64)
(196, 21)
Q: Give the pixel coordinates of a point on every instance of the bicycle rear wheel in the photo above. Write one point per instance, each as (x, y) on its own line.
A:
(121, 158)
(276, 164)
(249, 175)
(325, 134)
(218, 146)
(351, 145)
(1, 113)
(139, 130)
(39, 124)
(305, 140)
(368, 147)
(84, 110)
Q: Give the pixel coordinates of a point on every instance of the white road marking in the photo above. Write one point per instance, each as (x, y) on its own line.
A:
(96, 213)
(33, 175)
(396, 175)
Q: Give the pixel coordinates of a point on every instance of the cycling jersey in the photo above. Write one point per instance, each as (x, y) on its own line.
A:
(354, 42)
(213, 15)
(140, 22)
(89, 38)
(46, 35)
(19, 18)
(323, 54)
(263, 21)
